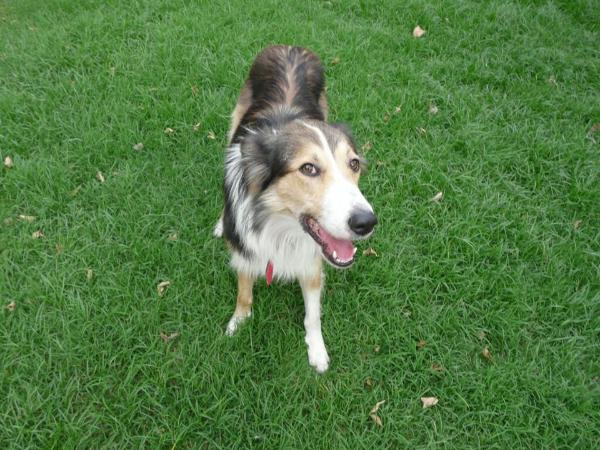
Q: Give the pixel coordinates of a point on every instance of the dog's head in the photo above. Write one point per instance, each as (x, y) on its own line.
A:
(310, 170)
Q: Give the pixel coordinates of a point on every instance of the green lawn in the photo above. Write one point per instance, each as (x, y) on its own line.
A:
(508, 259)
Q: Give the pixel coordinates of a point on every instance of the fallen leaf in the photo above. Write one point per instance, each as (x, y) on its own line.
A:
(89, 274)
(367, 146)
(173, 237)
(169, 130)
(418, 32)
(437, 197)
(211, 135)
(100, 177)
(433, 109)
(139, 146)
(335, 61)
(37, 234)
(25, 218)
(168, 338)
(486, 353)
(577, 224)
(373, 414)
(162, 287)
(421, 344)
(370, 252)
(11, 306)
(428, 402)
(8, 162)
(59, 248)
(437, 367)
(197, 126)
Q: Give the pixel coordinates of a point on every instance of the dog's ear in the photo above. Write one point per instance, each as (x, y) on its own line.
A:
(262, 160)
(345, 129)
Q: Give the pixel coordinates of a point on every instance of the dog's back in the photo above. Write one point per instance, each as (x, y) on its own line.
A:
(284, 83)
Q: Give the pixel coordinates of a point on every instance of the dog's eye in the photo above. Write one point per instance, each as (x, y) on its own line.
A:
(355, 165)
(309, 170)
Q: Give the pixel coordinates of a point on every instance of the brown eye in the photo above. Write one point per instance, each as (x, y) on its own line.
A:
(310, 170)
(355, 165)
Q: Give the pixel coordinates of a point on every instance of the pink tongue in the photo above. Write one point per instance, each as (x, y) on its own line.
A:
(343, 247)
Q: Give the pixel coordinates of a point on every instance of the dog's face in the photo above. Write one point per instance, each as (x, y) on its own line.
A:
(310, 170)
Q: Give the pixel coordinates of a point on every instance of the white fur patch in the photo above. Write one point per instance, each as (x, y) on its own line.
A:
(317, 352)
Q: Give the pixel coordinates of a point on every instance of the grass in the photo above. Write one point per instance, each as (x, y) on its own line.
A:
(508, 259)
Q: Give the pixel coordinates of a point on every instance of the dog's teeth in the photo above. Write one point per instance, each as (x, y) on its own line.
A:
(354, 251)
(334, 254)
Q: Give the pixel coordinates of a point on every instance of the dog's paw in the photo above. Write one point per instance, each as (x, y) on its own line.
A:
(318, 357)
(218, 230)
(234, 323)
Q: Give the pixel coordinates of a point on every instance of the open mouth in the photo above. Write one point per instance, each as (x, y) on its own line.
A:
(339, 252)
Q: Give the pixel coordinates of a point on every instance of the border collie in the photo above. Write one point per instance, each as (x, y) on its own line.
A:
(291, 187)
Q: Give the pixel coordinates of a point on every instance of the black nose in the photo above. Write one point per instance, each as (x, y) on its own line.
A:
(362, 222)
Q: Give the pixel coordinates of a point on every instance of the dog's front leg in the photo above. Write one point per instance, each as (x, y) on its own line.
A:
(311, 291)
(243, 307)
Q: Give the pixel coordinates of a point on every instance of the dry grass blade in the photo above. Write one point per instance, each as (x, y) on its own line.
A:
(25, 218)
(162, 287)
(8, 162)
(37, 234)
(138, 147)
(370, 252)
(11, 306)
(433, 109)
(437, 197)
(367, 146)
(421, 344)
(196, 126)
(172, 237)
(577, 224)
(89, 274)
(335, 61)
(168, 338)
(418, 32)
(373, 414)
(211, 135)
(100, 177)
(428, 402)
(169, 130)
(437, 367)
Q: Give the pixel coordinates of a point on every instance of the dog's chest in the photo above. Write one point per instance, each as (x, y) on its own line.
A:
(292, 253)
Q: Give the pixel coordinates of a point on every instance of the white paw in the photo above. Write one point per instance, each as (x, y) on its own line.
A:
(218, 230)
(317, 355)
(234, 323)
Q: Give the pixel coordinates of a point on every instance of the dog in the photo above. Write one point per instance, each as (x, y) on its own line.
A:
(291, 187)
